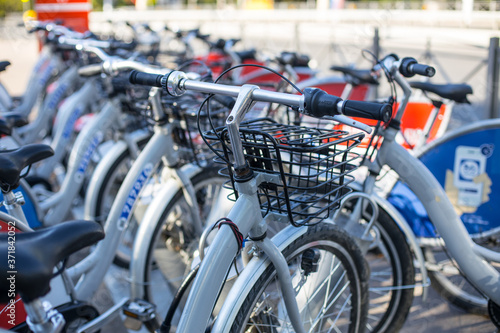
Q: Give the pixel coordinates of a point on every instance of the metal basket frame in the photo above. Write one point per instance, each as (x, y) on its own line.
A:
(314, 166)
(188, 119)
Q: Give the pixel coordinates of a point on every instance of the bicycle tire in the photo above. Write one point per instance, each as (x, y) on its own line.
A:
(109, 189)
(403, 271)
(339, 251)
(452, 285)
(392, 276)
(167, 260)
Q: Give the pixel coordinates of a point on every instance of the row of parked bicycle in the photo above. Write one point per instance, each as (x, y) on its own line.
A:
(238, 198)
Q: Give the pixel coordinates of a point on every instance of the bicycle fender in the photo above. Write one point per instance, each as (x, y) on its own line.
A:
(147, 227)
(396, 216)
(248, 277)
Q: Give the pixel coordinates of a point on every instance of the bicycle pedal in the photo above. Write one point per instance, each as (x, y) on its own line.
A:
(138, 312)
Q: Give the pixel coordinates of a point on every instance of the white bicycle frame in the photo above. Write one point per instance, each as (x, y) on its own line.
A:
(46, 66)
(90, 271)
(35, 130)
(58, 204)
(69, 112)
(470, 257)
(5, 99)
(128, 142)
(160, 147)
(246, 214)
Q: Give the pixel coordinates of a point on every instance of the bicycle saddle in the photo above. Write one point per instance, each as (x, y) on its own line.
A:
(12, 162)
(246, 54)
(4, 65)
(9, 121)
(37, 253)
(358, 76)
(454, 92)
(294, 59)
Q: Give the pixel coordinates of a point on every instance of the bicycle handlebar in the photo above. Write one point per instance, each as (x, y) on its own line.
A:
(314, 102)
(113, 65)
(320, 104)
(409, 67)
(90, 70)
(145, 79)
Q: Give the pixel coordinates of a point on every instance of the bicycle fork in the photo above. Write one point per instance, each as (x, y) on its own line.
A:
(221, 253)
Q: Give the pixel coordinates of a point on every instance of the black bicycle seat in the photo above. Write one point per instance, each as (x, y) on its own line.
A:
(5, 129)
(454, 92)
(358, 76)
(37, 253)
(246, 54)
(4, 65)
(12, 162)
(293, 59)
(10, 120)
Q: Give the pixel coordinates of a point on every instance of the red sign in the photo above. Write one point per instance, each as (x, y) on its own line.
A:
(73, 14)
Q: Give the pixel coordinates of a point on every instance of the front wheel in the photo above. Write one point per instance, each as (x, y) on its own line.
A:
(330, 277)
(173, 243)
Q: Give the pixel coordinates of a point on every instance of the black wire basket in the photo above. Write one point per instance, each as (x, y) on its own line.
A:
(190, 122)
(313, 165)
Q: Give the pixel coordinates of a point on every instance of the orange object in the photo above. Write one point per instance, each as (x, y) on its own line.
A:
(412, 124)
(414, 120)
(73, 14)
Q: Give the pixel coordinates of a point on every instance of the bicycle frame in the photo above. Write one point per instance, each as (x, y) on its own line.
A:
(58, 205)
(469, 256)
(481, 223)
(5, 99)
(54, 208)
(68, 114)
(46, 66)
(113, 150)
(221, 253)
(158, 148)
(90, 271)
(35, 130)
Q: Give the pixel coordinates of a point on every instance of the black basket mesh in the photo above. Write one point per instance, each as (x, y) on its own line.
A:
(184, 112)
(314, 166)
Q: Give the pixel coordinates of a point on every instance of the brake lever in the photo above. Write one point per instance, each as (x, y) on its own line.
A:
(349, 122)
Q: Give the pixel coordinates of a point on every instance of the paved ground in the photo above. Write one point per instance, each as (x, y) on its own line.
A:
(435, 315)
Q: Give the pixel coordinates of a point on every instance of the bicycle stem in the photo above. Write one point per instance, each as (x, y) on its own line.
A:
(243, 103)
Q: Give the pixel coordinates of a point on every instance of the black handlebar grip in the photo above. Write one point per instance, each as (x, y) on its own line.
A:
(409, 67)
(367, 110)
(423, 70)
(90, 70)
(146, 79)
(226, 101)
(318, 103)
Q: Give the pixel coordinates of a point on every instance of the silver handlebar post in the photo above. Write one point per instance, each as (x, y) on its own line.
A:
(392, 65)
(243, 103)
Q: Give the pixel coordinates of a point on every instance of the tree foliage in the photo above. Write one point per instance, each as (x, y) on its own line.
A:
(8, 6)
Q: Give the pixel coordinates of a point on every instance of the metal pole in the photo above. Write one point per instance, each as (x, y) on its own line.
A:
(376, 43)
(297, 36)
(376, 52)
(492, 79)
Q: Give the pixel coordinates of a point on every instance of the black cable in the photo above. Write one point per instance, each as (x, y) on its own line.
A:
(262, 67)
(167, 322)
(196, 62)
